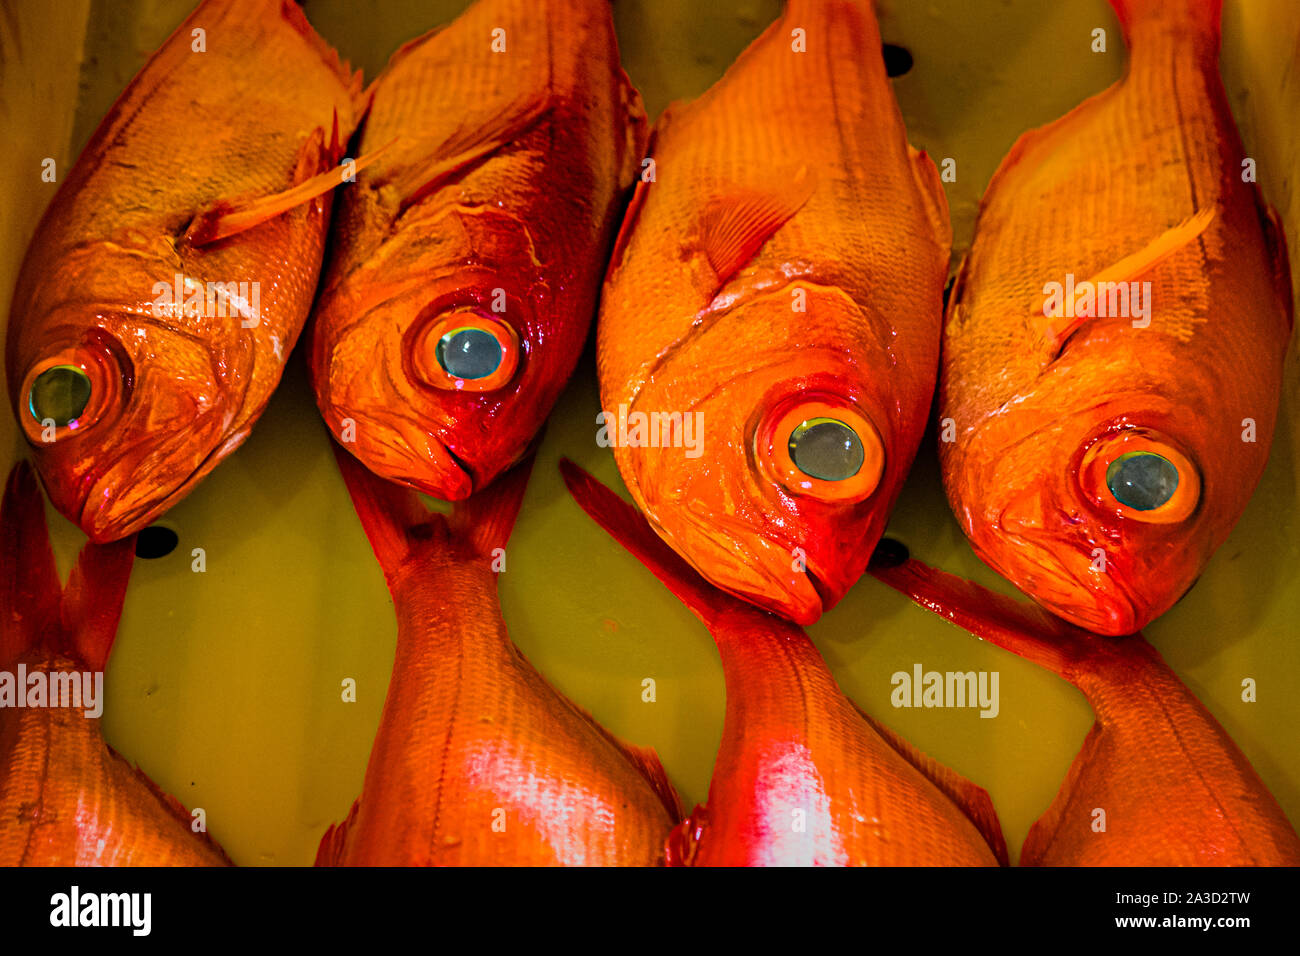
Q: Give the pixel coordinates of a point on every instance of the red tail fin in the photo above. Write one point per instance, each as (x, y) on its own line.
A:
(395, 519)
(626, 526)
(81, 620)
(1024, 629)
(1201, 17)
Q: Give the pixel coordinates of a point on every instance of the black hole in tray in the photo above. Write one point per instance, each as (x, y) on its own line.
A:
(889, 553)
(156, 541)
(897, 59)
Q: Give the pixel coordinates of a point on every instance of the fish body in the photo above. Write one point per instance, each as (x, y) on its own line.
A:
(1174, 787)
(145, 337)
(1100, 459)
(478, 760)
(66, 797)
(483, 229)
(777, 288)
(802, 777)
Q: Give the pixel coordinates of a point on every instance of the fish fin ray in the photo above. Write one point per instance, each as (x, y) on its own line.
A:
(334, 844)
(1057, 329)
(224, 219)
(935, 199)
(633, 212)
(392, 515)
(465, 147)
(630, 529)
(93, 599)
(486, 518)
(732, 228)
(972, 799)
(1044, 831)
(29, 581)
(1275, 239)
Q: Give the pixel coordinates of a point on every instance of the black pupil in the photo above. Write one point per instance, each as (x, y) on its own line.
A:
(59, 394)
(1142, 480)
(826, 449)
(469, 353)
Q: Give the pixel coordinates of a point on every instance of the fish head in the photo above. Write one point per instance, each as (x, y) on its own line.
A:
(766, 457)
(1099, 515)
(124, 410)
(439, 379)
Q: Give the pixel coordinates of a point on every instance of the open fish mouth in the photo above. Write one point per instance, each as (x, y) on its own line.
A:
(403, 453)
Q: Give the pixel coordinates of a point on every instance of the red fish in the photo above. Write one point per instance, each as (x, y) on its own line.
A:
(466, 262)
(172, 272)
(478, 760)
(1174, 788)
(802, 776)
(66, 797)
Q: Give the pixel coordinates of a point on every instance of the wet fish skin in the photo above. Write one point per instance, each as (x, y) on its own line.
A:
(195, 138)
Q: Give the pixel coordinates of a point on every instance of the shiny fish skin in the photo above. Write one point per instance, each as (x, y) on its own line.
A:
(173, 395)
(506, 171)
(1076, 197)
(791, 177)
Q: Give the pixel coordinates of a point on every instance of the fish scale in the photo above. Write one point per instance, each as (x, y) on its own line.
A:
(791, 175)
(1109, 181)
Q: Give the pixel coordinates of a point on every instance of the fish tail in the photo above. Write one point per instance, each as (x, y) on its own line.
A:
(1025, 630)
(392, 515)
(485, 519)
(633, 532)
(34, 610)
(1200, 17)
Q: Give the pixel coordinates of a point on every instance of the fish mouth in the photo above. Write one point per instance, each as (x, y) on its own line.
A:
(411, 456)
(752, 567)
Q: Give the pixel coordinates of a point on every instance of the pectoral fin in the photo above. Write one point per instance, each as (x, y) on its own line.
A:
(1056, 329)
(224, 219)
(734, 226)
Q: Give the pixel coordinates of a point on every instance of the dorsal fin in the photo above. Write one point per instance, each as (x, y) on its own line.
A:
(1056, 329)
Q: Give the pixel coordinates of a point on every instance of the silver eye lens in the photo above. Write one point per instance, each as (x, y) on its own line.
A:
(60, 394)
(1142, 480)
(826, 449)
(469, 353)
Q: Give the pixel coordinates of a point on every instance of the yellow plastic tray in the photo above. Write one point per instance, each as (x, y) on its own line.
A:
(225, 686)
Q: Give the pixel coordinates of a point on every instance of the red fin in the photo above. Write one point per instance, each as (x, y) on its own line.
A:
(392, 515)
(1275, 241)
(935, 199)
(92, 601)
(733, 228)
(626, 526)
(1202, 15)
(972, 800)
(464, 148)
(485, 519)
(225, 219)
(1024, 629)
(334, 843)
(628, 226)
(1034, 850)
(29, 582)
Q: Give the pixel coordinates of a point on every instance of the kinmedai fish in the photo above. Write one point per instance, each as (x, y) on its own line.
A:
(802, 776)
(478, 759)
(1171, 786)
(1112, 356)
(174, 268)
(769, 330)
(66, 797)
(467, 260)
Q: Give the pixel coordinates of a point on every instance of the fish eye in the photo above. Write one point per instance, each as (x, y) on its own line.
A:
(59, 394)
(469, 353)
(1140, 474)
(827, 449)
(1142, 480)
(820, 447)
(464, 350)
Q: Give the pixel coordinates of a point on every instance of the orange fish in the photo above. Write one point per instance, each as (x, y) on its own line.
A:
(173, 270)
(1175, 789)
(802, 776)
(66, 797)
(478, 760)
(769, 331)
(1114, 342)
(466, 262)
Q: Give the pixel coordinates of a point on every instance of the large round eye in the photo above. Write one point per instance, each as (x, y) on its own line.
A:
(1141, 474)
(821, 449)
(826, 448)
(59, 394)
(466, 351)
(1142, 480)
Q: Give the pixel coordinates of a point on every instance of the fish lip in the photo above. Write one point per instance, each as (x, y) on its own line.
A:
(454, 479)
